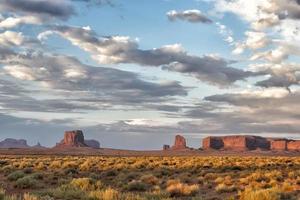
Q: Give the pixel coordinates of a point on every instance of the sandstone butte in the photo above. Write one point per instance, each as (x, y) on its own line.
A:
(180, 143)
(248, 142)
(75, 138)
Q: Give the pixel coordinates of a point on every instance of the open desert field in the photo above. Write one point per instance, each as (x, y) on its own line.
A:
(48, 177)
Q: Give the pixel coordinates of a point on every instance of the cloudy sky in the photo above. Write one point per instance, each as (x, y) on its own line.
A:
(134, 74)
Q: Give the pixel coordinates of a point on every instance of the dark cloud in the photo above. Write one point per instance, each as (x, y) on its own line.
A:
(55, 8)
(86, 86)
(278, 81)
(118, 49)
(268, 111)
(97, 2)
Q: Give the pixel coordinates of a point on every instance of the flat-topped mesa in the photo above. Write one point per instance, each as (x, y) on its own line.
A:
(180, 143)
(73, 139)
(248, 142)
(13, 143)
(236, 142)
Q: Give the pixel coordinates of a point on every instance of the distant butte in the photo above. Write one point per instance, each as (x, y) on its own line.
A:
(75, 138)
(179, 144)
(249, 142)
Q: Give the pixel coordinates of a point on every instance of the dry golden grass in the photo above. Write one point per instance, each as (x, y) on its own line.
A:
(149, 178)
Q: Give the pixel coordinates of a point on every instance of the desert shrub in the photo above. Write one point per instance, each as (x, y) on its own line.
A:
(26, 183)
(40, 166)
(87, 165)
(85, 184)
(69, 164)
(11, 197)
(66, 192)
(131, 176)
(70, 171)
(15, 175)
(30, 197)
(137, 186)
(222, 188)
(175, 188)
(37, 175)
(150, 179)
(260, 194)
(3, 162)
(219, 180)
(287, 187)
(111, 173)
(108, 194)
(7, 169)
(28, 170)
(2, 193)
(56, 164)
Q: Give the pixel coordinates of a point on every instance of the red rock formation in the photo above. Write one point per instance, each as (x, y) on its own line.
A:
(212, 143)
(279, 145)
(293, 145)
(166, 147)
(72, 139)
(236, 142)
(180, 143)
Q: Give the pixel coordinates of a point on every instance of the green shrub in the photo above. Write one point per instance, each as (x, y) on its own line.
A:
(137, 186)
(15, 175)
(26, 183)
(28, 170)
(66, 192)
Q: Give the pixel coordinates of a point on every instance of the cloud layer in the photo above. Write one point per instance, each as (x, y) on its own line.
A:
(194, 16)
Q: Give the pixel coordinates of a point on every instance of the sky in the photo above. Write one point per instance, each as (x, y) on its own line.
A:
(133, 74)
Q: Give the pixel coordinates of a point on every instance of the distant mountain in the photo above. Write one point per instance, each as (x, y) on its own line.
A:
(92, 143)
(14, 143)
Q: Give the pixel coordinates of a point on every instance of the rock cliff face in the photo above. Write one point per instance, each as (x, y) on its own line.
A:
(180, 143)
(246, 142)
(72, 139)
(92, 143)
(212, 143)
(293, 145)
(236, 142)
(13, 143)
(279, 145)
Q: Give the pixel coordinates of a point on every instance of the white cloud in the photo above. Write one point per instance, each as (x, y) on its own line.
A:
(12, 22)
(11, 38)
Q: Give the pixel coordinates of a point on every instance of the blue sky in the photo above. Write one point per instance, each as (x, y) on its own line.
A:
(133, 74)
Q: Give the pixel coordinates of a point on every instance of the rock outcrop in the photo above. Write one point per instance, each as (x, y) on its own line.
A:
(92, 143)
(73, 139)
(180, 143)
(279, 145)
(166, 147)
(212, 143)
(38, 146)
(14, 143)
(248, 142)
(236, 142)
(293, 145)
